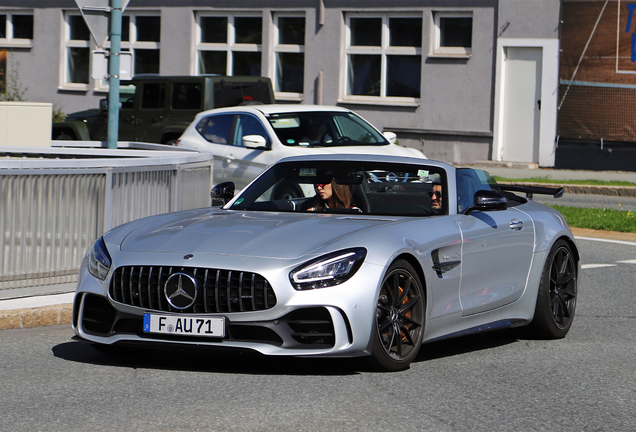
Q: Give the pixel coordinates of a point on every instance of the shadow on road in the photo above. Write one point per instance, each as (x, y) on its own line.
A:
(204, 360)
(466, 344)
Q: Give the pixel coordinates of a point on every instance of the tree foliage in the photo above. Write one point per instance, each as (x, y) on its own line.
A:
(10, 86)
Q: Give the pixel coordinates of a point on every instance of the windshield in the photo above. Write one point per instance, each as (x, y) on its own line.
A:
(321, 129)
(377, 188)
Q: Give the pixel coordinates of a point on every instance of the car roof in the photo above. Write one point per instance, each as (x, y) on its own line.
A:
(270, 109)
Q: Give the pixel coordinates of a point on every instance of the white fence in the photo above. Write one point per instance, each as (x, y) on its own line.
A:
(55, 202)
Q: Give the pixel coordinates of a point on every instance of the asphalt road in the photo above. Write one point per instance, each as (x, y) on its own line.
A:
(489, 382)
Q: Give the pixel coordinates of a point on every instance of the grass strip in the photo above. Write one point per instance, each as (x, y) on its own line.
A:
(547, 179)
(599, 219)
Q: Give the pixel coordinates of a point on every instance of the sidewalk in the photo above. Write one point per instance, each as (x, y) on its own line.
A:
(53, 305)
(512, 170)
(522, 170)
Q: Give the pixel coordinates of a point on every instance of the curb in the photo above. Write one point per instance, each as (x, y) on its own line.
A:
(605, 235)
(36, 317)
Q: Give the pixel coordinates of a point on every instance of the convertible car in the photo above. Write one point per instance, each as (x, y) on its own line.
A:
(414, 251)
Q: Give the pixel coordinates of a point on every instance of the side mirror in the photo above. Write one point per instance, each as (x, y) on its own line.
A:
(485, 200)
(222, 193)
(255, 142)
(390, 136)
(103, 104)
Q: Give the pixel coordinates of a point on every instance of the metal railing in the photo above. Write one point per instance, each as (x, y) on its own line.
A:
(55, 202)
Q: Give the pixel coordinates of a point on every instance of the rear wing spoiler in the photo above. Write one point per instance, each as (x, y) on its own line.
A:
(531, 190)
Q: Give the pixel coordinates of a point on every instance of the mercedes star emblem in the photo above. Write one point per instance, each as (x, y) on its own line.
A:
(181, 290)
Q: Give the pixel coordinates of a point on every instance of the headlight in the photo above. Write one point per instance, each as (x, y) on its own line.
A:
(98, 259)
(328, 270)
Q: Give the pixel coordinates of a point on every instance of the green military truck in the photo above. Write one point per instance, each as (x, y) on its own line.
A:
(157, 109)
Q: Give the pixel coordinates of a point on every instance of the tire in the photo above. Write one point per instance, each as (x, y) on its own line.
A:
(401, 312)
(64, 137)
(556, 299)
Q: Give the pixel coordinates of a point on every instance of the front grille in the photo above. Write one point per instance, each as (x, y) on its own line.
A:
(220, 291)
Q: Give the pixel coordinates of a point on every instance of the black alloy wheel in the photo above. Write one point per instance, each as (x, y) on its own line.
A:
(400, 318)
(556, 300)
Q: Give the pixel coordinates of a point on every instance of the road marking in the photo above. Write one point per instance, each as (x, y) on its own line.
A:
(606, 240)
(627, 261)
(590, 266)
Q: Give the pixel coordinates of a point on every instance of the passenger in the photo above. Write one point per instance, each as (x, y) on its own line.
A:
(331, 195)
(436, 198)
(315, 133)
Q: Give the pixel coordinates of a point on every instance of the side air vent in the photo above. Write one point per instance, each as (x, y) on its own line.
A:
(98, 315)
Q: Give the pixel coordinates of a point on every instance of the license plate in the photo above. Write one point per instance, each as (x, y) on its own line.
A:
(184, 326)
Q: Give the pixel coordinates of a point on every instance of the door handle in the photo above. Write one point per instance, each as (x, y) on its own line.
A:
(230, 158)
(516, 224)
(157, 119)
(130, 118)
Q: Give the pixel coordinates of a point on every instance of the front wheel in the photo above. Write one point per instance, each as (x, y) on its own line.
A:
(399, 319)
(556, 300)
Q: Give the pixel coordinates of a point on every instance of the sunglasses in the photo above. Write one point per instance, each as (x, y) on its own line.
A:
(321, 185)
(437, 194)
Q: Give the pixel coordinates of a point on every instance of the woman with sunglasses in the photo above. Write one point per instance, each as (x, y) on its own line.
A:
(331, 195)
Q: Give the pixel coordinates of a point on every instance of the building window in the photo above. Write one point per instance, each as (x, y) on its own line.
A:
(16, 28)
(453, 34)
(384, 57)
(77, 51)
(229, 44)
(141, 35)
(289, 52)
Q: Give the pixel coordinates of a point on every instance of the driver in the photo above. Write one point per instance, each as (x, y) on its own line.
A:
(331, 195)
(314, 133)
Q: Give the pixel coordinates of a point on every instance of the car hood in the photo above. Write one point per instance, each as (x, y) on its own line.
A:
(80, 115)
(248, 234)
(388, 149)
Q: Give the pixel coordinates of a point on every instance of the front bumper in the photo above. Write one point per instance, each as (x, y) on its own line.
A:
(334, 322)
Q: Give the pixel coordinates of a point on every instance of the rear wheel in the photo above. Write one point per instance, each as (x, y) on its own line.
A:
(556, 300)
(400, 317)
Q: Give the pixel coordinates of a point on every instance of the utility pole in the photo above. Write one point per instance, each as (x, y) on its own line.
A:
(113, 72)
(96, 14)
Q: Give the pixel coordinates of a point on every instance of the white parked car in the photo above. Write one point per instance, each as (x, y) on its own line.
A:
(245, 140)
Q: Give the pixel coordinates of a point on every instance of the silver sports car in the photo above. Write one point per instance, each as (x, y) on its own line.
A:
(342, 255)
